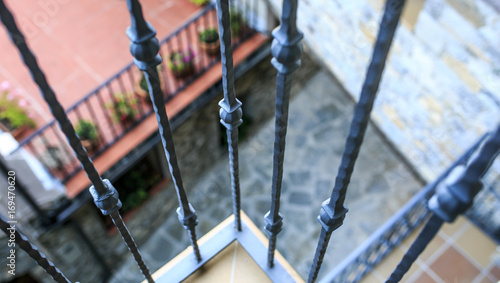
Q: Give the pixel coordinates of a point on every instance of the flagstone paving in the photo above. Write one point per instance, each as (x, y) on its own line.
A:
(318, 124)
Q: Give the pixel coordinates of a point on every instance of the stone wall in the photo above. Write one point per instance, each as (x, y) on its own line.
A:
(440, 90)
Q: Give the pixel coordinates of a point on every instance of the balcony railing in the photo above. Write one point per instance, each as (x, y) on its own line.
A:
(389, 236)
(122, 102)
(447, 202)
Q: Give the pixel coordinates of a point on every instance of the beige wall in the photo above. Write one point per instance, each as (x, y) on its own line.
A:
(441, 87)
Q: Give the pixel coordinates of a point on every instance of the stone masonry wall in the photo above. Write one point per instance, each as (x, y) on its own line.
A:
(440, 90)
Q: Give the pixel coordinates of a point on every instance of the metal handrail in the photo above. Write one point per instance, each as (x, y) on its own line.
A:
(114, 76)
(341, 271)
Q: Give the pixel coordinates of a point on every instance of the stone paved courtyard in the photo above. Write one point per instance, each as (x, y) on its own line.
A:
(318, 124)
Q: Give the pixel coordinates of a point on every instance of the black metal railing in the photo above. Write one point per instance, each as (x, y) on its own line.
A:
(383, 241)
(115, 110)
(119, 104)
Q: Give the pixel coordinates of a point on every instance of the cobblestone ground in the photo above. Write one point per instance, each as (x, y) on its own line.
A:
(318, 124)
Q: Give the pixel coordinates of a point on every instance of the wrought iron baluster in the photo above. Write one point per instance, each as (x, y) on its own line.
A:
(144, 47)
(202, 23)
(230, 112)
(333, 211)
(175, 83)
(105, 195)
(430, 230)
(111, 93)
(108, 119)
(28, 247)
(287, 50)
(93, 118)
(451, 199)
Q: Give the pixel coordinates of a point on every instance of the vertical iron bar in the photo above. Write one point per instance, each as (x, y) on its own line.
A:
(452, 198)
(170, 50)
(230, 112)
(64, 147)
(124, 90)
(456, 196)
(144, 48)
(56, 158)
(182, 46)
(431, 228)
(78, 113)
(101, 104)
(112, 96)
(255, 15)
(37, 154)
(104, 194)
(117, 219)
(94, 119)
(189, 35)
(164, 74)
(140, 103)
(207, 59)
(287, 50)
(332, 212)
(9, 228)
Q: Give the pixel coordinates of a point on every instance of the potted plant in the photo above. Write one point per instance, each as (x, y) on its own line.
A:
(15, 115)
(141, 86)
(237, 23)
(88, 133)
(181, 63)
(123, 108)
(209, 41)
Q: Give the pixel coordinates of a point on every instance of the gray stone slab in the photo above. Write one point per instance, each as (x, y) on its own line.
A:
(309, 174)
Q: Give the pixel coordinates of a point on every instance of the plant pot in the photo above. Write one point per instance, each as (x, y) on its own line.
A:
(187, 71)
(212, 49)
(89, 145)
(16, 132)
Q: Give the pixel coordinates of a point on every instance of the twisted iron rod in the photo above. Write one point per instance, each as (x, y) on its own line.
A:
(333, 211)
(232, 140)
(105, 195)
(287, 50)
(38, 76)
(230, 112)
(32, 250)
(273, 218)
(451, 200)
(117, 219)
(430, 230)
(144, 48)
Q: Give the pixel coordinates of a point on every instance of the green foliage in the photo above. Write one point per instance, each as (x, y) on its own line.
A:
(134, 199)
(12, 113)
(181, 60)
(134, 186)
(143, 83)
(123, 107)
(236, 22)
(200, 2)
(209, 35)
(87, 130)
